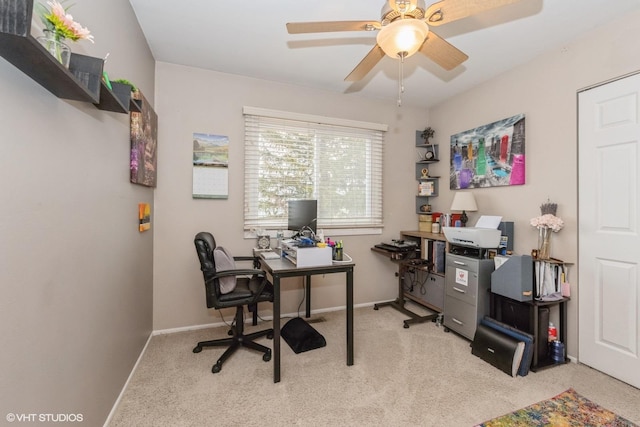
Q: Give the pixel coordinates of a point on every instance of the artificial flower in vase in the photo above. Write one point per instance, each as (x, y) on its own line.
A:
(60, 26)
(546, 223)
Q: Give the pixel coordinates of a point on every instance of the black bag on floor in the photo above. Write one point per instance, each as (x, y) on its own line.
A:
(301, 336)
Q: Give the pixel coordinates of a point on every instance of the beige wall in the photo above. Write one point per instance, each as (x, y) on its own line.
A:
(193, 100)
(76, 275)
(545, 91)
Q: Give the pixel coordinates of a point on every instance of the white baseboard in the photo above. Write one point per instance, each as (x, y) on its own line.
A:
(126, 384)
(248, 320)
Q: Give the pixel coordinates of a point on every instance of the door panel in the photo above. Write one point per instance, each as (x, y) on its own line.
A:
(609, 242)
(616, 167)
(614, 287)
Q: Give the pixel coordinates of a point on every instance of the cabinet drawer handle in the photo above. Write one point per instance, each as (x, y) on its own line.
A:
(459, 263)
(457, 321)
(462, 291)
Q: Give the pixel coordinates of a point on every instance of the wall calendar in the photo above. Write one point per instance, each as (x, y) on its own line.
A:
(210, 166)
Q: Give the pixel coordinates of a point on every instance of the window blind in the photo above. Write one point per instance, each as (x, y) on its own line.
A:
(293, 156)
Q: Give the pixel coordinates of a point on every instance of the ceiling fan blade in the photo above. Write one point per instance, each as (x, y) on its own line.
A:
(446, 11)
(331, 26)
(442, 52)
(368, 62)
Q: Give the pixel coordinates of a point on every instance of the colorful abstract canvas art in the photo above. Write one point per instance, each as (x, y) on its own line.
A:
(489, 156)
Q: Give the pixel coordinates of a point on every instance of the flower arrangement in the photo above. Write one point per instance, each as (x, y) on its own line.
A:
(548, 218)
(545, 223)
(59, 22)
(548, 221)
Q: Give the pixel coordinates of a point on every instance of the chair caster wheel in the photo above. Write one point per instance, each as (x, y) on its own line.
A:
(270, 335)
(267, 356)
(406, 325)
(446, 329)
(375, 307)
(230, 332)
(216, 368)
(197, 349)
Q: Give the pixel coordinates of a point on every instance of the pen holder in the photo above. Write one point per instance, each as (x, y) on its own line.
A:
(337, 254)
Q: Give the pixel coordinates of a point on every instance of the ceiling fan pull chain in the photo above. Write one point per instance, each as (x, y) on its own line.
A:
(400, 80)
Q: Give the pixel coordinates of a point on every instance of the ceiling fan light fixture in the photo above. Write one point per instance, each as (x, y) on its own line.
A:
(402, 38)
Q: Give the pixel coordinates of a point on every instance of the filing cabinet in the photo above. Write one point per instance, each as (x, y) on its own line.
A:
(467, 293)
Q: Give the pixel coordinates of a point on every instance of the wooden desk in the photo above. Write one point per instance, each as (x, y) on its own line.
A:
(280, 268)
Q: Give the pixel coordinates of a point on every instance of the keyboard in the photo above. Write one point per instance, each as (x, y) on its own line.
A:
(396, 248)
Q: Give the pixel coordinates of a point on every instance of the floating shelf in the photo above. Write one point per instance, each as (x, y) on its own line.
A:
(29, 56)
(82, 81)
(423, 148)
(135, 105)
(117, 99)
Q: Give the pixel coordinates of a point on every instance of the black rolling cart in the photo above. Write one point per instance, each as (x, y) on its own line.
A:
(410, 263)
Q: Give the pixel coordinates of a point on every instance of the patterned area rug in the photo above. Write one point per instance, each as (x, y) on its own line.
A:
(566, 409)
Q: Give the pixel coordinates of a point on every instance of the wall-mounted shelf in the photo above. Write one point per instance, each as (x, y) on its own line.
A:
(29, 56)
(117, 99)
(82, 81)
(422, 165)
(135, 105)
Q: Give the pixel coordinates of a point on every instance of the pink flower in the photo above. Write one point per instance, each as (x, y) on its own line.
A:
(81, 32)
(57, 19)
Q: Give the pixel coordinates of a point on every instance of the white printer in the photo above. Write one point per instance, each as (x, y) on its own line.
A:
(474, 237)
(485, 235)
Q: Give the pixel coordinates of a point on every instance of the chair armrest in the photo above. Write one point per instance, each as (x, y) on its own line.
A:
(239, 272)
(254, 259)
(251, 274)
(244, 258)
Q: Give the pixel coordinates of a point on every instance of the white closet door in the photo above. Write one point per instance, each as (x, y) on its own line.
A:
(609, 228)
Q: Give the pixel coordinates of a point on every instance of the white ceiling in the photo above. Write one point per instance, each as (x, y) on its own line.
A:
(250, 38)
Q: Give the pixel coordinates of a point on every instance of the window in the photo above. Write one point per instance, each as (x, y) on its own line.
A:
(294, 156)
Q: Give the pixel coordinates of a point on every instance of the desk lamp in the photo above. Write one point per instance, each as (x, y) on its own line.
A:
(464, 201)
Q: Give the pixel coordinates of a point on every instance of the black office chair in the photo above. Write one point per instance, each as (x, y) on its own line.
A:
(251, 287)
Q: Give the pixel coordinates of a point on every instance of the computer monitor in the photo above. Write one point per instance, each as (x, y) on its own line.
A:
(302, 213)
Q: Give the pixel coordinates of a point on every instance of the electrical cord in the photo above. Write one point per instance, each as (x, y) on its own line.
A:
(412, 272)
(229, 325)
(304, 295)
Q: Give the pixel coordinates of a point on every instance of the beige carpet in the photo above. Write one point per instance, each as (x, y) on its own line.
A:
(419, 376)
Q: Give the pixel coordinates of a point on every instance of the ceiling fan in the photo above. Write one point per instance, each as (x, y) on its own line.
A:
(404, 30)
